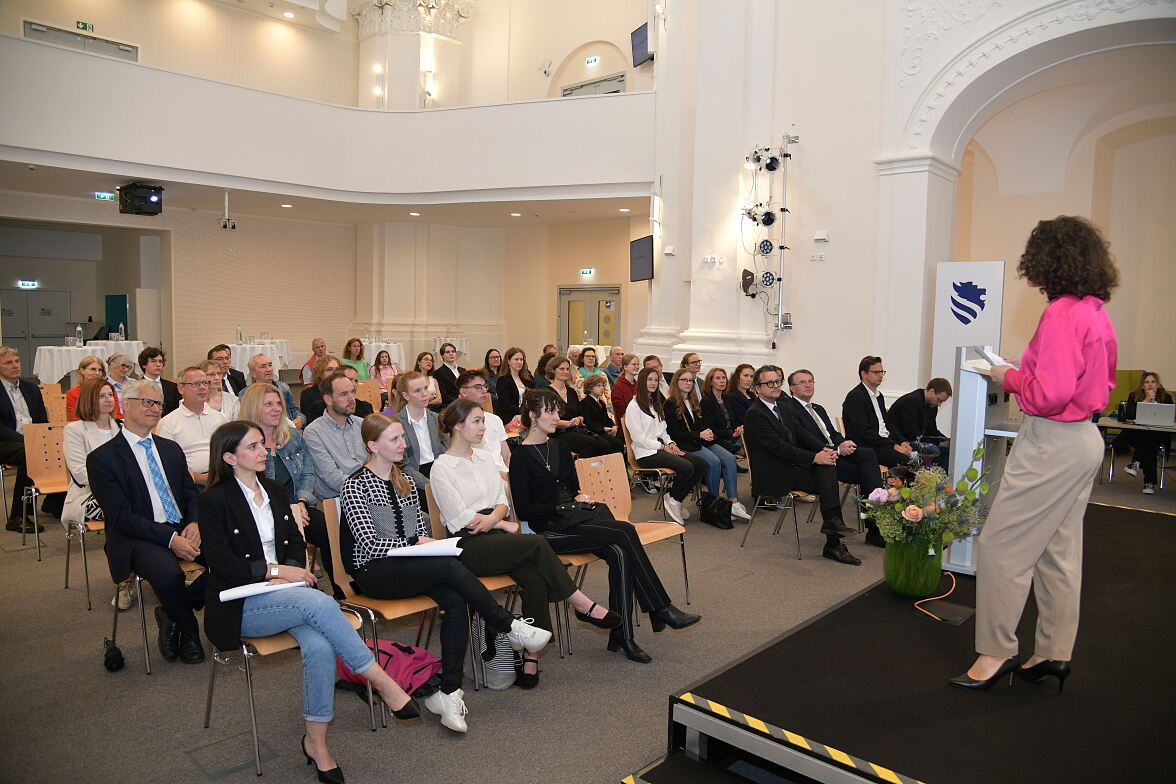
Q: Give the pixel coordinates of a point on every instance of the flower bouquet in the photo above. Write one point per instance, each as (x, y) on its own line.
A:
(916, 520)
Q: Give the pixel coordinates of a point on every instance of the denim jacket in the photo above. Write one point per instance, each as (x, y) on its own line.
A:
(296, 457)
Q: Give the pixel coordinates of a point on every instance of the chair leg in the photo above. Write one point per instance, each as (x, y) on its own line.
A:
(142, 619)
(213, 661)
(36, 526)
(470, 646)
(69, 532)
(4, 489)
(796, 528)
(85, 563)
(252, 709)
(755, 505)
(685, 574)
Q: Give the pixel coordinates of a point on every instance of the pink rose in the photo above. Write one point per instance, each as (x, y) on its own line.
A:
(912, 513)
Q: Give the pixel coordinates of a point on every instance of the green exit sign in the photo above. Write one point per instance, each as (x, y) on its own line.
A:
(89, 28)
(103, 196)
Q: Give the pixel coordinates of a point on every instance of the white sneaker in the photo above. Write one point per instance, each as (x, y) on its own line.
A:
(1132, 468)
(673, 509)
(739, 510)
(809, 498)
(1149, 489)
(125, 599)
(450, 707)
(685, 511)
(524, 636)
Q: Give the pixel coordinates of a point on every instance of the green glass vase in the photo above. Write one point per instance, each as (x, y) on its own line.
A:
(909, 569)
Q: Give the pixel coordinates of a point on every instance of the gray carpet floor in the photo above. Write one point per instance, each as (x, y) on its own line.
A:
(595, 716)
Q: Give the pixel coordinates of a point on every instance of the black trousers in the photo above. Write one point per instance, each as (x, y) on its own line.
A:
(531, 563)
(821, 480)
(452, 586)
(629, 570)
(585, 443)
(860, 468)
(690, 469)
(12, 453)
(1146, 443)
(159, 566)
(889, 456)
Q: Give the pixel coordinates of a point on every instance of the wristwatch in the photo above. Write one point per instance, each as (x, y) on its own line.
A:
(273, 572)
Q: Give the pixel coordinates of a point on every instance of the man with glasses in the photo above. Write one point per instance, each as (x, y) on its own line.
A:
(693, 363)
(913, 416)
(233, 380)
(854, 466)
(261, 368)
(152, 360)
(472, 386)
(864, 415)
(191, 424)
(785, 456)
(149, 502)
(20, 404)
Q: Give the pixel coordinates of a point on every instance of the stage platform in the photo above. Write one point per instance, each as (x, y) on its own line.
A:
(860, 692)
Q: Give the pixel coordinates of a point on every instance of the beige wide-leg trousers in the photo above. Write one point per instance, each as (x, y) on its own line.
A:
(1033, 536)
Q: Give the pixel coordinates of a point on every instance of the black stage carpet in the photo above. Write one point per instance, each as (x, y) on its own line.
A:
(870, 678)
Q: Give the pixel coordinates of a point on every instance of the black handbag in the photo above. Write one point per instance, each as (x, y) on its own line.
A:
(715, 511)
(571, 513)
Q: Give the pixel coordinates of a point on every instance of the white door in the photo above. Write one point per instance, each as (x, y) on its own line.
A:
(589, 315)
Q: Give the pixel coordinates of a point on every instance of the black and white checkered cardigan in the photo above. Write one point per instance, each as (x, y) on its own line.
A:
(380, 521)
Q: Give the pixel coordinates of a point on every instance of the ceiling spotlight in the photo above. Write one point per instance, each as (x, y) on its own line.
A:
(287, 206)
(763, 159)
(516, 215)
(415, 214)
(759, 215)
(288, 14)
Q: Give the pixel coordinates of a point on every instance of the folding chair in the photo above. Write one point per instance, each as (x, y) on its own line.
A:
(79, 531)
(45, 462)
(370, 391)
(659, 477)
(55, 406)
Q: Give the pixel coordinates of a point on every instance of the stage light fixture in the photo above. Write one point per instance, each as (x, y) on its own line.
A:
(763, 159)
(759, 215)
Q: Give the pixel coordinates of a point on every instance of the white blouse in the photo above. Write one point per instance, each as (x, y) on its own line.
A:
(263, 518)
(647, 433)
(463, 487)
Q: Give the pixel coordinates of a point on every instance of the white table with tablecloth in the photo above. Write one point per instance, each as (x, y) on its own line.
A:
(461, 344)
(129, 347)
(53, 362)
(277, 350)
(395, 352)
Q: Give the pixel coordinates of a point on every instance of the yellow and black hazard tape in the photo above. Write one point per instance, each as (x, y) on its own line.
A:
(633, 778)
(870, 769)
(1132, 508)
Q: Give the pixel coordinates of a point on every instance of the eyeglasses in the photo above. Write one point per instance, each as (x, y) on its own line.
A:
(877, 372)
(775, 384)
(193, 383)
(147, 402)
(694, 362)
(479, 387)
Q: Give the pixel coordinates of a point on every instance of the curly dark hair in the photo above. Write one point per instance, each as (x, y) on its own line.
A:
(1067, 255)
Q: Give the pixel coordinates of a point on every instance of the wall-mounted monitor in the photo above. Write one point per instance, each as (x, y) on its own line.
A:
(641, 259)
(640, 39)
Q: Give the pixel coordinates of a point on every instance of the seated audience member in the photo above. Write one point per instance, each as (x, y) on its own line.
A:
(913, 419)
(717, 414)
(663, 378)
(573, 354)
(446, 375)
(219, 399)
(288, 463)
(549, 349)
(740, 396)
(148, 501)
(118, 370)
(21, 405)
(693, 363)
(581, 441)
(471, 502)
(234, 380)
(94, 426)
(586, 368)
(424, 366)
(318, 349)
(863, 413)
(854, 466)
(152, 360)
(541, 379)
(626, 385)
(420, 427)
(687, 429)
(1146, 443)
(381, 512)
(310, 402)
(616, 365)
(785, 457)
(384, 372)
(594, 409)
(249, 537)
(543, 478)
(89, 369)
(472, 385)
(336, 448)
(353, 357)
(653, 447)
(514, 378)
(191, 425)
(261, 371)
(490, 366)
(362, 408)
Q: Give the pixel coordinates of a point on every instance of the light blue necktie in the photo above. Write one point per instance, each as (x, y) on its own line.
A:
(161, 486)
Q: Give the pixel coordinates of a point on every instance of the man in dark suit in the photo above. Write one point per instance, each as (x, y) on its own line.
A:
(20, 404)
(913, 416)
(234, 380)
(152, 360)
(854, 466)
(786, 457)
(446, 374)
(148, 499)
(864, 415)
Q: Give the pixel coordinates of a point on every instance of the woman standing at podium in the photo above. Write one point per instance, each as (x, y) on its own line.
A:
(1033, 535)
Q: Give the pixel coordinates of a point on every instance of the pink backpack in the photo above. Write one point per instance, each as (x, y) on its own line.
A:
(409, 666)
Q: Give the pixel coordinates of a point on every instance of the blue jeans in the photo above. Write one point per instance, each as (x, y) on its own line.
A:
(719, 463)
(314, 619)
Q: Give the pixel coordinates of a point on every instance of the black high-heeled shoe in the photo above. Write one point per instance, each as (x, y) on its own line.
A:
(632, 650)
(332, 776)
(966, 682)
(1058, 669)
(610, 620)
(673, 617)
(406, 712)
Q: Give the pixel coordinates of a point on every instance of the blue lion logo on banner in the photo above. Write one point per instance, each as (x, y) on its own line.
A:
(967, 301)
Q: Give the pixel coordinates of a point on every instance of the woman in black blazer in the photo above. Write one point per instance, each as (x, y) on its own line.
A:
(248, 536)
(447, 373)
(717, 413)
(572, 424)
(740, 395)
(513, 374)
(686, 426)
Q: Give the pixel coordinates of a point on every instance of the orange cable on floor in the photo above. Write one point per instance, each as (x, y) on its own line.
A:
(933, 598)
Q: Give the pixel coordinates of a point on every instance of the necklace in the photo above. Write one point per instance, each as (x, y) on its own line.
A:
(545, 455)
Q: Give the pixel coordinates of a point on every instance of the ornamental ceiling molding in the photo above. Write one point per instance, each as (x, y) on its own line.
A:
(924, 22)
(439, 17)
(1038, 26)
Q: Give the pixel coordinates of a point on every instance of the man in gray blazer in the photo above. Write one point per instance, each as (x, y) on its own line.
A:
(421, 430)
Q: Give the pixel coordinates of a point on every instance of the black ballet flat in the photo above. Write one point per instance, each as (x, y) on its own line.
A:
(673, 617)
(526, 680)
(632, 650)
(610, 620)
(332, 776)
(1058, 669)
(966, 682)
